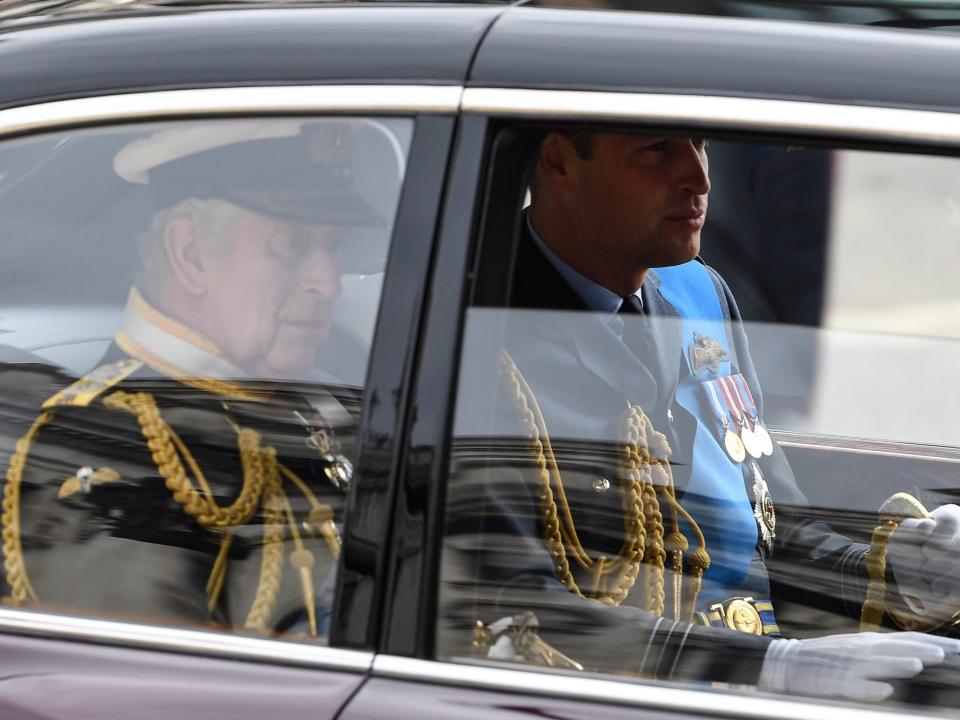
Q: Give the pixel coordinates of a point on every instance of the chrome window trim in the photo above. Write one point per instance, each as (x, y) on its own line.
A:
(156, 637)
(639, 694)
(712, 111)
(861, 446)
(367, 99)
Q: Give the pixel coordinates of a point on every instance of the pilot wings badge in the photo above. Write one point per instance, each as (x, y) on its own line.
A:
(706, 353)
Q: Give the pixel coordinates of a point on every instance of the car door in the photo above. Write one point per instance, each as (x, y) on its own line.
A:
(804, 144)
(71, 227)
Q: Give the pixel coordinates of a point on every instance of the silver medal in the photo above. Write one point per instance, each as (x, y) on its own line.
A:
(750, 441)
(763, 438)
(763, 511)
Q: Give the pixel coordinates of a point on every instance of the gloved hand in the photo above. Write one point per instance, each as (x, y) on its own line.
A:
(855, 666)
(924, 555)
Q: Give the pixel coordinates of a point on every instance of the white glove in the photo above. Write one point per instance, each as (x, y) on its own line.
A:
(853, 666)
(924, 555)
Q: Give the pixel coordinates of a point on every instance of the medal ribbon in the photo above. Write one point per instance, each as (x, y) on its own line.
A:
(732, 404)
(746, 394)
(748, 417)
(718, 408)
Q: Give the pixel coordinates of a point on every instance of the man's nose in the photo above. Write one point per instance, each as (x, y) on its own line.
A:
(694, 174)
(320, 273)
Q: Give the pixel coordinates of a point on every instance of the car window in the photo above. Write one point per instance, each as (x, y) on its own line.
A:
(695, 375)
(187, 310)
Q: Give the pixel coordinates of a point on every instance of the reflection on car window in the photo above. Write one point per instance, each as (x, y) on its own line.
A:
(646, 481)
(187, 310)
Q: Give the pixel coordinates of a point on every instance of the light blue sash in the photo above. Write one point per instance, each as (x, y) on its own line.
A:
(715, 495)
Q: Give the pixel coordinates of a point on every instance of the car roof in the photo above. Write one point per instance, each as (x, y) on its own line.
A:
(533, 47)
(718, 47)
(99, 54)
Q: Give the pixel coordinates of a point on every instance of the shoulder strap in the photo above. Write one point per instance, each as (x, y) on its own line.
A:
(85, 390)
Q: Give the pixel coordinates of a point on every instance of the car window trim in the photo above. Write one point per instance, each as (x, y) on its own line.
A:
(50, 626)
(427, 104)
(787, 437)
(787, 118)
(868, 122)
(645, 694)
(220, 101)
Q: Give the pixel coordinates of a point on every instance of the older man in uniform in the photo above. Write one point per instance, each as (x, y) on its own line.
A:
(685, 533)
(195, 476)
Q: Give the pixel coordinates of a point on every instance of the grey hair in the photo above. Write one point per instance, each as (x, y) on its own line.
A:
(210, 217)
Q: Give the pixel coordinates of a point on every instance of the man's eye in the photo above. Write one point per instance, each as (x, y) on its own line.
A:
(657, 146)
(287, 248)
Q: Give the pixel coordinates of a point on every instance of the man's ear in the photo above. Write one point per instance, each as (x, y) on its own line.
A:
(556, 161)
(185, 254)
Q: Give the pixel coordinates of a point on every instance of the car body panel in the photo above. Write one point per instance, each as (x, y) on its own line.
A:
(59, 679)
(239, 47)
(650, 52)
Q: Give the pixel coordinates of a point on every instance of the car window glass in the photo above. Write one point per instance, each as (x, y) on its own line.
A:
(668, 484)
(187, 310)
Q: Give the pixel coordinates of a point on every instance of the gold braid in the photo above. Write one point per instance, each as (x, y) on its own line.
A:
(271, 561)
(894, 510)
(638, 472)
(163, 443)
(646, 467)
(16, 571)
(262, 486)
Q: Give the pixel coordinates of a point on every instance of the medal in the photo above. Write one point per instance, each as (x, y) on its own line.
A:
(739, 409)
(731, 442)
(766, 442)
(751, 442)
(763, 510)
(337, 468)
(763, 437)
(734, 445)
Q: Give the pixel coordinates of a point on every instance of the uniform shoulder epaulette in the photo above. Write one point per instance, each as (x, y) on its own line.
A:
(85, 390)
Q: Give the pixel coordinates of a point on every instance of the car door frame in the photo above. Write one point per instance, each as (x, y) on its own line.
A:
(358, 596)
(407, 652)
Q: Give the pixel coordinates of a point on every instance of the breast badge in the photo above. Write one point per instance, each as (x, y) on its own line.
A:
(338, 469)
(763, 510)
(706, 354)
(85, 479)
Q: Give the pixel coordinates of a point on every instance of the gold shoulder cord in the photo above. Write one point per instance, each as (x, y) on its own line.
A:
(262, 487)
(20, 589)
(647, 471)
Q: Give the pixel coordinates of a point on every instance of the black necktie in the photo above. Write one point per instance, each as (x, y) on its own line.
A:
(632, 304)
(637, 334)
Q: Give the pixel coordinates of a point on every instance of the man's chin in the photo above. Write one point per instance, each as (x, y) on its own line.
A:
(680, 252)
(286, 366)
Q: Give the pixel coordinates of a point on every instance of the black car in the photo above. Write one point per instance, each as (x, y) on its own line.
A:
(306, 475)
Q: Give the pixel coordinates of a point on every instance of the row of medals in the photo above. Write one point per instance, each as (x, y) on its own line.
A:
(753, 439)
